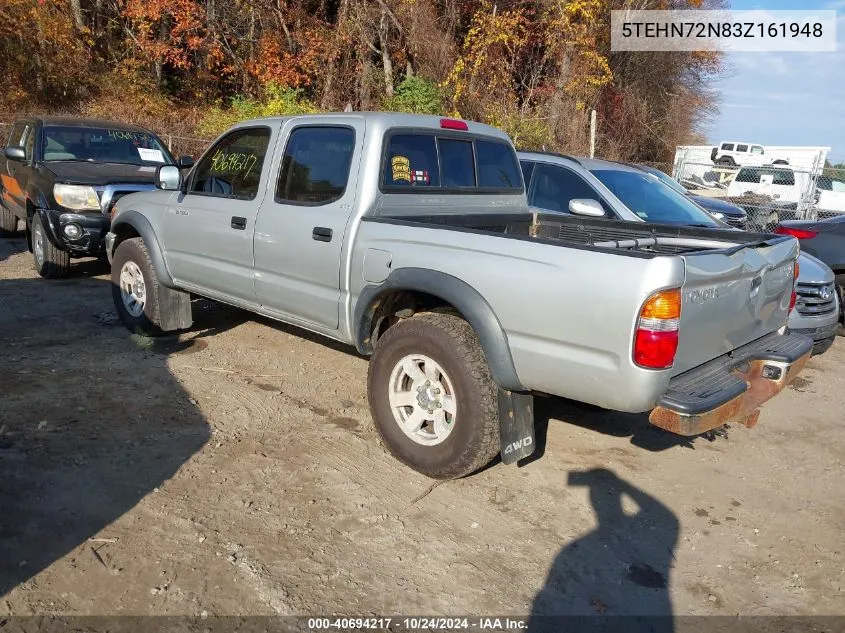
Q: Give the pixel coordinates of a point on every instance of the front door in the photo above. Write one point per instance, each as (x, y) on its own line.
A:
(16, 173)
(209, 230)
(299, 233)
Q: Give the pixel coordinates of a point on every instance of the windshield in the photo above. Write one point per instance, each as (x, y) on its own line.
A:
(666, 179)
(103, 145)
(652, 200)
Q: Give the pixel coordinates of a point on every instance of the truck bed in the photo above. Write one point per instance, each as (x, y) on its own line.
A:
(632, 238)
(735, 286)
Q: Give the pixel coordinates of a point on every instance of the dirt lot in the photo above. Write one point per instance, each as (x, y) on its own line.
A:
(235, 470)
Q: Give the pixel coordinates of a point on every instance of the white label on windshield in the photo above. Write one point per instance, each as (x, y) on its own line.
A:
(153, 155)
(147, 169)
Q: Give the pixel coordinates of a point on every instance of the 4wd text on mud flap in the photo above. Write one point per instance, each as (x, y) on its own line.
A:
(515, 446)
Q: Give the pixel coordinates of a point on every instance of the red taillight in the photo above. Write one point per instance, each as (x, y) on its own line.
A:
(801, 234)
(656, 337)
(655, 350)
(794, 296)
(453, 124)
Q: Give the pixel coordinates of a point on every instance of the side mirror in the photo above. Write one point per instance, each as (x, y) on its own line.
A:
(586, 206)
(169, 178)
(185, 162)
(15, 153)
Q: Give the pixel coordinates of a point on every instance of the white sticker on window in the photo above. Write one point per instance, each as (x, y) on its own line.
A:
(153, 155)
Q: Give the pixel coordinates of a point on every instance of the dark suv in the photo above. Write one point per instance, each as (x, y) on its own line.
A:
(62, 175)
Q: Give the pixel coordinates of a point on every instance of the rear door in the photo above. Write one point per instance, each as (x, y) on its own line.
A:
(208, 231)
(300, 230)
(733, 298)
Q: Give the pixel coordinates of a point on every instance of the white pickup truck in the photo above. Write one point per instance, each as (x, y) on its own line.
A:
(410, 238)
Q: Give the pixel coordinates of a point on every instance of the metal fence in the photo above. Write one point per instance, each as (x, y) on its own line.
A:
(185, 145)
(769, 194)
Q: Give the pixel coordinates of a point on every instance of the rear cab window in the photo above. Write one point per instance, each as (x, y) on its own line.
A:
(742, 148)
(461, 163)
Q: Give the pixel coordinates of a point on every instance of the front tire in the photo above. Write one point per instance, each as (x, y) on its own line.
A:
(135, 288)
(50, 262)
(8, 222)
(432, 397)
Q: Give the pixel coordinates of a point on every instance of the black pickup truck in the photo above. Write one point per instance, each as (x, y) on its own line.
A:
(62, 175)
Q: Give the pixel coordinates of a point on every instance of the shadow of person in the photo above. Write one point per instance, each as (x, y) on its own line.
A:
(621, 568)
(90, 424)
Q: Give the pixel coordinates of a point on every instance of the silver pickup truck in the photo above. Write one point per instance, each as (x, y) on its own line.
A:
(410, 238)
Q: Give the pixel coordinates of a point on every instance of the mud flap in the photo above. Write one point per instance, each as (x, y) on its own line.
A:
(174, 309)
(516, 425)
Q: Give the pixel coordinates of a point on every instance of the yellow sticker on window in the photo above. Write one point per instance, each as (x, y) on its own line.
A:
(401, 168)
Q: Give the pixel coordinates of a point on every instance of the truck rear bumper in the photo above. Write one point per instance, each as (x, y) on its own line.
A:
(731, 388)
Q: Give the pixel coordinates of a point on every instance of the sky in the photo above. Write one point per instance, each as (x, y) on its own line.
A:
(785, 98)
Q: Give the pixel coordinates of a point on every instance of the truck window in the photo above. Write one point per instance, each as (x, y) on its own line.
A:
(742, 148)
(496, 166)
(232, 168)
(315, 166)
(102, 145)
(16, 134)
(757, 149)
(728, 147)
(457, 166)
(411, 161)
(28, 141)
(553, 187)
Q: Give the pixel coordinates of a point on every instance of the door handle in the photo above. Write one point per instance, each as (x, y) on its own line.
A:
(321, 234)
(238, 223)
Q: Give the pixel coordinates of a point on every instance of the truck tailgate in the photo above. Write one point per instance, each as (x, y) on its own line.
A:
(732, 297)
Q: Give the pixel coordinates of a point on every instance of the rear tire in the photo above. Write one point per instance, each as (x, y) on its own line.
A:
(434, 363)
(50, 262)
(726, 161)
(8, 222)
(135, 288)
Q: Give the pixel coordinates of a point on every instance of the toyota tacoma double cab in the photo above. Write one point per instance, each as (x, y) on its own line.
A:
(61, 176)
(410, 237)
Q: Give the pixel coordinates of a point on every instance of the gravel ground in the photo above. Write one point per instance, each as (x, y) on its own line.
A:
(234, 469)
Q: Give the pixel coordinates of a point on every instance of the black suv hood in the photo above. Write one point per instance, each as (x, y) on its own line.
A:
(86, 173)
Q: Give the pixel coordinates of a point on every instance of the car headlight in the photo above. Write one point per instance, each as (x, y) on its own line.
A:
(717, 215)
(80, 197)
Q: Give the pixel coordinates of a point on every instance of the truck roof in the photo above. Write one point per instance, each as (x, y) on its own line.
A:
(74, 121)
(386, 120)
